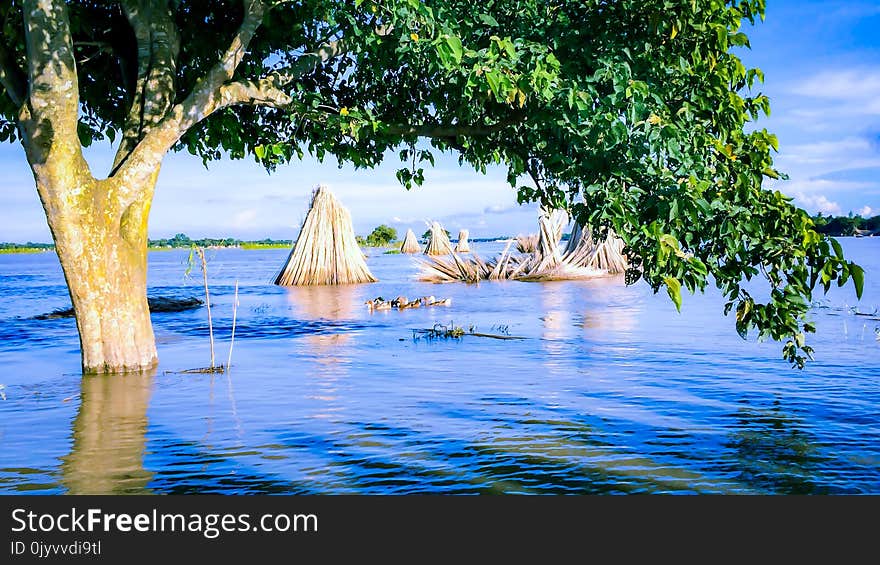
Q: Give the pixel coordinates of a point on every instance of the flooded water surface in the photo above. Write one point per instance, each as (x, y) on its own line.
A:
(609, 391)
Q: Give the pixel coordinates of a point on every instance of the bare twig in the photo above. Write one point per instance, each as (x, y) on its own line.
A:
(232, 338)
(204, 264)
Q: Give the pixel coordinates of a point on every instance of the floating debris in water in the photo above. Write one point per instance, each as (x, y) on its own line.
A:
(403, 303)
(463, 246)
(438, 241)
(451, 331)
(199, 371)
(158, 304)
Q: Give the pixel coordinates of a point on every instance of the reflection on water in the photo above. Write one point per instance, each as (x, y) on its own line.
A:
(107, 456)
(330, 352)
(611, 391)
(613, 307)
(557, 318)
(773, 450)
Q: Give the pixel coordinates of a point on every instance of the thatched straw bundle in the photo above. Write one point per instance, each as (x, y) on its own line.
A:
(527, 243)
(438, 241)
(582, 250)
(326, 251)
(583, 257)
(462, 246)
(410, 243)
(547, 254)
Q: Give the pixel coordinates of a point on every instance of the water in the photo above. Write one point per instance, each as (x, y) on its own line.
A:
(611, 391)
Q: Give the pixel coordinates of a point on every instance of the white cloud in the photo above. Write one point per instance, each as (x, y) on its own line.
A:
(817, 203)
(857, 86)
(245, 218)
(819, 158)
(866, 212)
(812, 186)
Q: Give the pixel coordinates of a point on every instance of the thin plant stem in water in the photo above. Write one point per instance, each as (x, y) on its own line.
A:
(204, 265)
(232, 337)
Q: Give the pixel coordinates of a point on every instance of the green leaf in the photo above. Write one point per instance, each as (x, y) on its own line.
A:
(260, 151)
(669, 241)
(494, 77)
(673, 288)
(698, 266)
(455, 48)
(858, 276)
(838, 250)
(488, 20)
(84, 132)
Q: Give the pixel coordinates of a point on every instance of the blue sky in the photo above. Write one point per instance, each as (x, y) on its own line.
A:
(822, 65)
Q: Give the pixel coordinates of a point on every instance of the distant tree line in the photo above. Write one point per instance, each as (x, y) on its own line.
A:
(28, 245)
(179, 241)
(183, 241)
(847, 225)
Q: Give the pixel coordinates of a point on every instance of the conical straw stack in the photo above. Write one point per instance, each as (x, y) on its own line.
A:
(410, 243)
(438, 241)
(463, 246)
(326, 251)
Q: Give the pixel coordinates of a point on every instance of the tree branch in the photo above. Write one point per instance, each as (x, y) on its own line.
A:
(326, 51)
(455, 130)
(204, 99)
(12, 78)
(53, 89)
(441, 131)
(158, 44)
(256, 93)
(308, 61)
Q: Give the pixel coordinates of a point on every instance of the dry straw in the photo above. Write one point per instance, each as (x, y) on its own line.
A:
(326, 251)
(438, 241)
(582, 257)
(527, 243)
(463, 246)
(410, 243)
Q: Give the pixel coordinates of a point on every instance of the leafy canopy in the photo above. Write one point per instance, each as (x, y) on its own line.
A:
(381, 236)
(634, 114)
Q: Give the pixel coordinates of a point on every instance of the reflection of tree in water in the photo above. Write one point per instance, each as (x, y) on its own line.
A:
(774, 452)
(109, 435)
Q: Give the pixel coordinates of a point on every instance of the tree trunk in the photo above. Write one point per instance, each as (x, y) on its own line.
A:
(101, 241)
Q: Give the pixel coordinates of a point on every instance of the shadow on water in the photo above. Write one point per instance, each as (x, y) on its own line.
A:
(773, 451)
(542, 462)
(109, 435)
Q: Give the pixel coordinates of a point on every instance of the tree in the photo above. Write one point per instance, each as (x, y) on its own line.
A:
(631, 113)
(427, 235)
(381, 236)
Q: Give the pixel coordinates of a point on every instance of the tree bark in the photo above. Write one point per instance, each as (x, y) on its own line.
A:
(101, 242)
(100, 226)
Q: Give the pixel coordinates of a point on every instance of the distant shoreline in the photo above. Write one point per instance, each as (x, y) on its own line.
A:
(161, 245)
(14, 248)
(248, 246)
